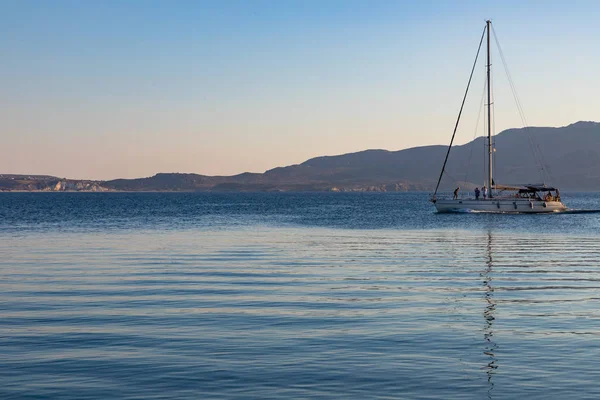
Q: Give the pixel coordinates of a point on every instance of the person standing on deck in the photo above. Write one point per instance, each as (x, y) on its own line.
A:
(456, 193)
(477, 192)
(484, 192)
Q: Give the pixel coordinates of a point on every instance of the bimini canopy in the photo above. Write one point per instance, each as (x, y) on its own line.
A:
(537, 188)
(526, 188)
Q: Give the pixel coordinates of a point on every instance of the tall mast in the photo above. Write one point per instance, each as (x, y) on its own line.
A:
(489, 104)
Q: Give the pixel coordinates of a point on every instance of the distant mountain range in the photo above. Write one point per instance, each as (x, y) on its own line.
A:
(567, 157)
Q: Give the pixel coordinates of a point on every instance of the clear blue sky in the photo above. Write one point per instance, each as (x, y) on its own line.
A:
(105, 89)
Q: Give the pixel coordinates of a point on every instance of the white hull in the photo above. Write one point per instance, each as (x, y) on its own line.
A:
(503, 205)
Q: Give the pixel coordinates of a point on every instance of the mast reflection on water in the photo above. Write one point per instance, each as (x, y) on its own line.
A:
(489, 316)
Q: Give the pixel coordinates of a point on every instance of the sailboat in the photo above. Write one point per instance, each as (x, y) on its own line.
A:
(530, 198)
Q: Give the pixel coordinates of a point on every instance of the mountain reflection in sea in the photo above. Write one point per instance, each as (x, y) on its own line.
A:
(293, 296)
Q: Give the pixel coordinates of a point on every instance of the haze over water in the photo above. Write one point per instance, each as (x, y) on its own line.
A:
(244, 296)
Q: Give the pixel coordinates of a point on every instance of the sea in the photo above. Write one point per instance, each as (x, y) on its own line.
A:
(294, 296)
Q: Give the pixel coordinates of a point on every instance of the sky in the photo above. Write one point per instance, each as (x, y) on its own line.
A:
(108, 89)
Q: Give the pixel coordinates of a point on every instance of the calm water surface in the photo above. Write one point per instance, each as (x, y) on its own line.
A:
(295, 296)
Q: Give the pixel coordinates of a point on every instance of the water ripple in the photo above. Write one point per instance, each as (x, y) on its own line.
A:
(299, 313)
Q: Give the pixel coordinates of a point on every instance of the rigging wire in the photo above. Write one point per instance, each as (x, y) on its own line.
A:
(481, 103)
(459, 114)
(456, 181)
(493, 122)
(535, 148)
(485, 142)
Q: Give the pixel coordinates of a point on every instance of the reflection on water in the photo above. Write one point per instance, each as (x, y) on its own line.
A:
(489, 316)
(276, 313)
